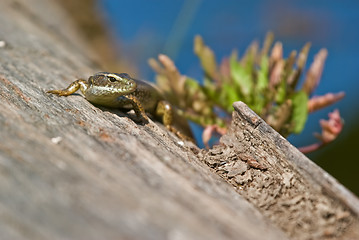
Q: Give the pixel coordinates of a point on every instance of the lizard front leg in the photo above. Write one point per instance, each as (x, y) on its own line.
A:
(73, 87)
(137, 106)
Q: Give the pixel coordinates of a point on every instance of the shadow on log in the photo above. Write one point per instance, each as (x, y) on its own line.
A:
(69, 170)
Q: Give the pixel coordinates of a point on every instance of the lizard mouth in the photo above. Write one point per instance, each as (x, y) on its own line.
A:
(116, 90)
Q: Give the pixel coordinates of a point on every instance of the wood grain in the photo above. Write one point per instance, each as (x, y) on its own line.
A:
(71, 170)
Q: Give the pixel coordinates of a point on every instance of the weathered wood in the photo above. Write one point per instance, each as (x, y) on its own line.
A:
(287, 187)
(71, 170)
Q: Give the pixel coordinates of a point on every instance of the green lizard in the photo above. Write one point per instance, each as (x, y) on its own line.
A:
(119, 90)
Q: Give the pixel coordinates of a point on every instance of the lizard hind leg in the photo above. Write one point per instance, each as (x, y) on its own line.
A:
(73, 87)
(166, 111)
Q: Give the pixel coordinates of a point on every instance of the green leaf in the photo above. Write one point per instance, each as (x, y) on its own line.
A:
(194, 93)
(281, 92)
(206, 57)
(242, 80)
(300, 111)
(192, 86)
(259, 98)
(258, 105)
(210, 89)
(229, 96)
(263, 75)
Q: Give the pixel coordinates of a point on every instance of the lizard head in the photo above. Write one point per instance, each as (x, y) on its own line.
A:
(112, 83)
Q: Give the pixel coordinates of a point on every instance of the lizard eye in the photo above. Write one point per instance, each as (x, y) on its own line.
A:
(112, 79)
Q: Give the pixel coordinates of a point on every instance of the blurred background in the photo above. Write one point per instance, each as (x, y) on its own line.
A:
(142, 29)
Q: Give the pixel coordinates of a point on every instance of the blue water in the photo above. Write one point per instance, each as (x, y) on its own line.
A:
(146, 28)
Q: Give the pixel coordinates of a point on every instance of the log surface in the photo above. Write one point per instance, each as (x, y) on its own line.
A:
(287, 187)
(71, 170)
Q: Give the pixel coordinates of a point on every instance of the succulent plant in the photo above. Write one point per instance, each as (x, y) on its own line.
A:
(262, 78)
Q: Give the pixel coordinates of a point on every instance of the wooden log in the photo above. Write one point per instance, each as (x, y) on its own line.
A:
(287, 187)
(71, 170)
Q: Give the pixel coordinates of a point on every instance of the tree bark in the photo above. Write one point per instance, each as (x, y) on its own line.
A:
(71, 170)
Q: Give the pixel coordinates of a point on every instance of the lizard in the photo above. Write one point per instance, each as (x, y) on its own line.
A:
(119, 90)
